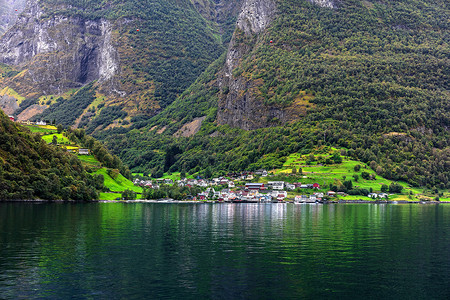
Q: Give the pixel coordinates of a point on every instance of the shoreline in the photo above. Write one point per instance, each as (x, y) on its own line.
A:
(171, 201)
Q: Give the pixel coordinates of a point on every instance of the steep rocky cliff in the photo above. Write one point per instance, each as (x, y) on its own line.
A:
(57, 53)
(9, 11)
(242, 102)
(239, 104)
(140, 54)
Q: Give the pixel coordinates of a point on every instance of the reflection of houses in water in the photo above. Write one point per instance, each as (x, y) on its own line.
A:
(377, 212)
(230, 210)
(277, 212)
(317, 211)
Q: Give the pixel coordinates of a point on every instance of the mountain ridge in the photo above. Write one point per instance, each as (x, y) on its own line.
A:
(363, 76)
(368, 77)
(138, 58)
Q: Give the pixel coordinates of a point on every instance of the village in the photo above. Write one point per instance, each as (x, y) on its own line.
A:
(319, 180)
(234, 189)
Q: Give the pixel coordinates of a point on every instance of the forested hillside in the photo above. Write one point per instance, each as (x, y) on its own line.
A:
(140, 55)
(369, 77)
(31, 169)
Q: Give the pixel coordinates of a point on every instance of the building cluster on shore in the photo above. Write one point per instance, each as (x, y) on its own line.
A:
(255, 196)
(224, 189)
(233, 189)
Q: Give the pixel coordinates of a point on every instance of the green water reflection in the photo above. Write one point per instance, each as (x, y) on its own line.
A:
(224, 251)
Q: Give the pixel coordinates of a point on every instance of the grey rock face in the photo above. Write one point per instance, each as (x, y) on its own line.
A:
(324, 3)
(256, 15)
(59, 52)
(8, 104)
(247, 111)
(239, 106)
(9, 11)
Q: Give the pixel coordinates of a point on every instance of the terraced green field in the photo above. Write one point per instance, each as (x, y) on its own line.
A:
(326, 174)
(89, 159)
(332, 173)
(40, 129)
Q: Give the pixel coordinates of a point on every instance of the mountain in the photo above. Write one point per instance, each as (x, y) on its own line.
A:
(347, 57)
(139, 54)
(368, 77)
(31, 169)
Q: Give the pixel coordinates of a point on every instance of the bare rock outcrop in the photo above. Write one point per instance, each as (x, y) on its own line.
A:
(8, 104)
(324, 3)
(59, 52)
(239, 105)
(9, 11)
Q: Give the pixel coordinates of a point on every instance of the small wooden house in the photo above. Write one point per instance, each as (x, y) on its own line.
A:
(83, 151)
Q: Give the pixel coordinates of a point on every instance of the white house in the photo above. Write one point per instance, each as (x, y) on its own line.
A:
(276, 185)
(249, 177)
(83, 151)
(202, 183)
(277, 194)
(290, 186)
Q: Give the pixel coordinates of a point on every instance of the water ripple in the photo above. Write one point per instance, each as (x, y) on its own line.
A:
(223, 251)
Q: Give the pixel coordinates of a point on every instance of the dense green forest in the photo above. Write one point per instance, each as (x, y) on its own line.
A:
(64, 111)
(378, 72)
(31, 169)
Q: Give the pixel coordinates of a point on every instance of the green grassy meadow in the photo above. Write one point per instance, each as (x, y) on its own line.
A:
(119, 184)
(332, 173)
(61, 138)
(40, 129)
(326, 174)
(110, 196)
(90, 160)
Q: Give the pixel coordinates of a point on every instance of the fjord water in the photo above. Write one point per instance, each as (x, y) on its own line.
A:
(224, 251)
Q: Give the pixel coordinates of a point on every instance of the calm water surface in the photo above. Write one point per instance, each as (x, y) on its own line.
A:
(224, 251)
